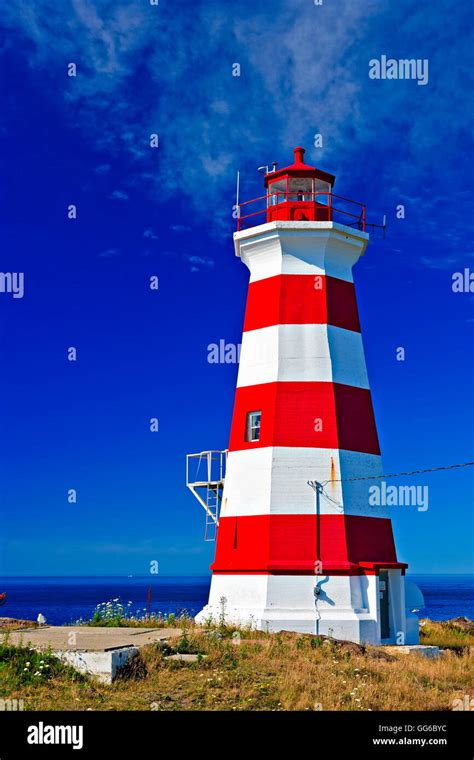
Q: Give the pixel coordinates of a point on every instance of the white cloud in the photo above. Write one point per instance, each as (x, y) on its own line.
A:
(304, 70)
(110, 252)
(119, 195)
(180, 227)
(198, 261)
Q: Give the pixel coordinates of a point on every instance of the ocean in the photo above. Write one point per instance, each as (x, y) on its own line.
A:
(65, 600)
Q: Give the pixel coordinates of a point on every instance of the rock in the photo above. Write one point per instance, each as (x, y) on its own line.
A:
(343, 646)
(380, 654)
(15, 623)
(186, 657)
(462, 622)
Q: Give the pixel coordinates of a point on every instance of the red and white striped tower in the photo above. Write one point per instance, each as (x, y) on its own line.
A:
(290, 556)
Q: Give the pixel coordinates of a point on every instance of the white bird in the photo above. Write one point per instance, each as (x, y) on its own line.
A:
(41, 619)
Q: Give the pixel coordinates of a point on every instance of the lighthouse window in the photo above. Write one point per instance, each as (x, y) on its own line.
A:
(277, 192)
(322, 189)
(253, 426)
(300, 189)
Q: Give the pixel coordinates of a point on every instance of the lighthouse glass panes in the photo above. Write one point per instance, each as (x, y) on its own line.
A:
(277, 192)
(322, 190)
(300, 189)
(253, 426)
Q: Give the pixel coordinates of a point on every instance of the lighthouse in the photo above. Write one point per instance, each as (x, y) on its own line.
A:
(299, 546)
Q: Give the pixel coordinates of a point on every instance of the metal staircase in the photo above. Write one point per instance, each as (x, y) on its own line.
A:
(205, 474)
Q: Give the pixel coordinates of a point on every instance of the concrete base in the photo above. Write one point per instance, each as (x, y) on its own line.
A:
(424, 650)
(346, 607)
(105, 666)
(100, 652)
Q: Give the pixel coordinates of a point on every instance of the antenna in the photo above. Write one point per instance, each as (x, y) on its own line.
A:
(263, 169)
(237, 192)
(382, 226)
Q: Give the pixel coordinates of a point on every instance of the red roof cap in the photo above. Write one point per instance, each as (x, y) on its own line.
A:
(299, 168)
(299, 163)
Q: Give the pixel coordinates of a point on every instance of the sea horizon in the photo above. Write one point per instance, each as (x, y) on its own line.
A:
(183, 575)
(66, 599)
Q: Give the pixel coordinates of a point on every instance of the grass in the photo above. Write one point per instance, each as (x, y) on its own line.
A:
(455, 635)
(254, 671)
(22, 667)
(115, 614)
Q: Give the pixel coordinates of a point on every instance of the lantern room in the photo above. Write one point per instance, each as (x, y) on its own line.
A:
(299, 192)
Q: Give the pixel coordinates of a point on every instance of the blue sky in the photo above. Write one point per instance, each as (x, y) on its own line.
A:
(84, 140)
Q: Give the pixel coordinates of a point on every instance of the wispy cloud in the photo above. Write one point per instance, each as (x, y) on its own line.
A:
(197, 262)
(110, 253)
(102, 168)
(119, 195)
(304, 71)
(180, 227)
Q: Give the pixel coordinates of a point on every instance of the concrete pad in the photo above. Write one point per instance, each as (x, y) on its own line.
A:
(100, 652)
(422, 649)
(90, 639)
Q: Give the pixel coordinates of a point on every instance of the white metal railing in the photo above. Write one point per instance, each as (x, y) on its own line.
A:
(205, 475)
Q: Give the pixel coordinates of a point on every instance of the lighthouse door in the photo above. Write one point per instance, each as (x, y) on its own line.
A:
(384, 605)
